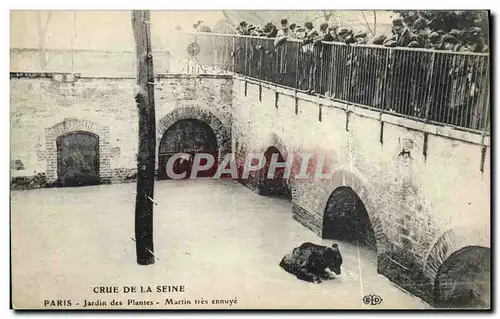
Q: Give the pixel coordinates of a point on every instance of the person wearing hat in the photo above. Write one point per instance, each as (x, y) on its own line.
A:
(255, 31)
(414, 44)
(300, 33)
(270, 30)
(349, 37)
(448, 42)
(390, 43)
(421, 30)
(344, 34)
(455, 33)
(308, 53)
(242, 28)
(433, 41)
(283, 33)
(474, 40)
(379, 40)
(360, 38)
(293, 26)
(311, 33)
(421, 24)
(402, 34)
(331, 35)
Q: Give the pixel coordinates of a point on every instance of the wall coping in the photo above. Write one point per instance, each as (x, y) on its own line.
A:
(115, 76)
(376, 114)
(382, 116)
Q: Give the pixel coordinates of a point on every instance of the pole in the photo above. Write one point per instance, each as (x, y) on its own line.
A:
(147, 138)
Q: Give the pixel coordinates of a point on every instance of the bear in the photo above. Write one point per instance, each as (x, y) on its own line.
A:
(311, 262)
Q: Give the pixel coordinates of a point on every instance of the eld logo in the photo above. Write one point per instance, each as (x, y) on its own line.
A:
(372, 300)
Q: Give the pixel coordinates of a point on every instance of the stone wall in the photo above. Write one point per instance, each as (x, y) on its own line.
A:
(45, 106)
(418, 182)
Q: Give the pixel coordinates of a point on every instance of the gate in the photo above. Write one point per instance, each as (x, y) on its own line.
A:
(78, 159)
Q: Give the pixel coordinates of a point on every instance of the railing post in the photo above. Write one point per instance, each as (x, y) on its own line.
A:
(260, 59)
(276, 74)
(234, 52)
(320, 71)
(430, 88)
(297, 71)
(349, 86)
(332, 82)
(386, 84)
(246, 56)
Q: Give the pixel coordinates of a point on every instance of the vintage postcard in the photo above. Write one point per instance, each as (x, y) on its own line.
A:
(250, 160)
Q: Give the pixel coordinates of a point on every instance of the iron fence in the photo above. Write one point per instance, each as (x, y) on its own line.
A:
(451, 88)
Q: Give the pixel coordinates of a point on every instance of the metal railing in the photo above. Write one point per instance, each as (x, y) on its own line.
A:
(441, 87)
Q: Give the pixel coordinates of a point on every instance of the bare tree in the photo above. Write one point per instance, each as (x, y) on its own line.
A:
(328, 14)
(367, 24)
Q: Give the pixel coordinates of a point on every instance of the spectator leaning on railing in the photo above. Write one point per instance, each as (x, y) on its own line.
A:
(283, 34)
(446, 88)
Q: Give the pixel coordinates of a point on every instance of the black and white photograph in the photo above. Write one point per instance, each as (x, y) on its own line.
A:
(250, 160)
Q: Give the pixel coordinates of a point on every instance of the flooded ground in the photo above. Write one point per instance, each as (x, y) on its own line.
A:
(217, 238)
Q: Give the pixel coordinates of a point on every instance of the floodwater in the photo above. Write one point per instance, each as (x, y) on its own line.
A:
(218, 239)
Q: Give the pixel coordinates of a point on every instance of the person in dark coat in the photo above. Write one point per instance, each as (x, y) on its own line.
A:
(421, 30)
(433, 41)
(448, 42)
(360, 38)
(307, 83)
(379, 40)
(242, 28)
(331, 36)
(270, 30)
(402, 34)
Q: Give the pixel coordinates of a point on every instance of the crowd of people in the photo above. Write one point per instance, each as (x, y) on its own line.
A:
(417, 35)
(398, 81)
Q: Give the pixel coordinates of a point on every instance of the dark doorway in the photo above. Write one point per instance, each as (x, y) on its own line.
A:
(464, 280)
(276, 186)
(346, 219)
(78, 159)
(189, 136)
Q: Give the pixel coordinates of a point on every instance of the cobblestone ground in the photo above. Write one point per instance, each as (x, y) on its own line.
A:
(217, 238)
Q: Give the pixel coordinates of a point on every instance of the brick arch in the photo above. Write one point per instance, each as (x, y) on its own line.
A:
(69, 125)
(451, 241)
(342, 178)
(274, 140)
(222, 133)
(464, 279)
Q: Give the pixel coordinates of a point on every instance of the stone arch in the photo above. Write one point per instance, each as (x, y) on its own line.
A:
(348, 181)
(277, 186)
(70, 125)
(189, 136)
(451, 241)
(464, 279)
(274, 140)
(346, 218)
(222, 133)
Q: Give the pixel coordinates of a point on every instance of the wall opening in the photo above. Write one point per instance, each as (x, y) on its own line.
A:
(77, 159)
(189, 136)
(346, 219)
(464, 280)
(277, 186)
